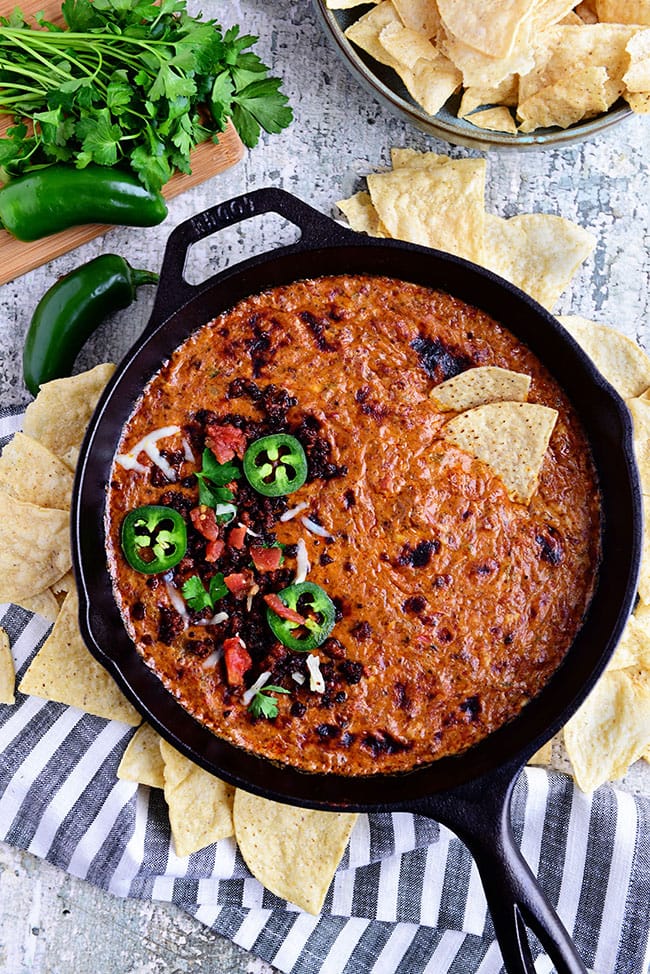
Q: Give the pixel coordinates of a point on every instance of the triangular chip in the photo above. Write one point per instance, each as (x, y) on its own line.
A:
(31, 472)
(637, 76)
(498, 119)
(200, 805)
(361, 214)
(7, 671)
(441, 206)
(488, 28)
(640, 411)
(510, 437)
(44, 604)
(638, 102)
(432, 83)
(623, 11)
(633, 649)
(621, 360)
(611, 730)
(420, 15)
(411, 158)
(63, 670)
(142, 761)
(293, 852)
(59, 415)
(35, 549)
(474, 387)
(504, 94)
(567, 101)
(365, 32)
(538, 252)
(542, 758)
(407, 46)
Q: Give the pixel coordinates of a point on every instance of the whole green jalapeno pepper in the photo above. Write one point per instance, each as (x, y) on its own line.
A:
(49, 200)
(71, 310)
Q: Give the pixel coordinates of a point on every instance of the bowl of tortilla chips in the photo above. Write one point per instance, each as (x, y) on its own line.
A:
(522, 73)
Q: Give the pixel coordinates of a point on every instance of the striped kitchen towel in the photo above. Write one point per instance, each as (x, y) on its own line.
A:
(406, 897)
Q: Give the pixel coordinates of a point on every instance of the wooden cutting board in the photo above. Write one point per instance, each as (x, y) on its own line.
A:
(208, 160)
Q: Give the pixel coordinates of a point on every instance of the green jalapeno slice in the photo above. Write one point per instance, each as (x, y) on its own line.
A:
(275, 465)
(308, 602)
(154, 538)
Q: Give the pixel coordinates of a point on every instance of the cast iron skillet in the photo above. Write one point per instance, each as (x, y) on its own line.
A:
(470, 792)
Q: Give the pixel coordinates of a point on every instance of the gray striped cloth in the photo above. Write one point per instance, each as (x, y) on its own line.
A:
(406, 897)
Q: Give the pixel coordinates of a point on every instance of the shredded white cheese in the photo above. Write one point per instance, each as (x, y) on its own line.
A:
(302, 562)
(147, 444)
(294, 511)
(176, 599)
(248, 530)
(316, 681)
(222, 509)
(216, 620)
(211, 661)
(187, 450)
(262, 679)
(298, 678)
(315, 528)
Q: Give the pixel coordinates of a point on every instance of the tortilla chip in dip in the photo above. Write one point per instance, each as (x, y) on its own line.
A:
(200, 805)
(31, 472)
(7, 671)
(35, 548)
(62, 409)
(293, 852)
(474, 387)
(64, 671)
(510, 437)
(142, 761)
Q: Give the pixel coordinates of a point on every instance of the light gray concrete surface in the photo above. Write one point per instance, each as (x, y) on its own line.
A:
(51, 923)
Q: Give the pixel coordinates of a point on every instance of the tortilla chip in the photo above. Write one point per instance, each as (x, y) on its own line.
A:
(544, 756)
(567, 102)
(504, 94)
(64, 671)
(431, 83)
(644, 571)
(485, 71)
(633, 649)
(31, 472)
(489, 28)
(474, 387)
(571, 20)
(623, 11)
(612, 728)
(200, 805)
(587, 12)
(564, 54)
(59, 415)
(623, 363)
(365, 32)
(549, 12)
(64, 584)
(361, 214)
(638, 102)
(510, 437)
(7, 671)
(412, 159)
(637, 76)
(346, 4)
(441, 206)
(537, 252)
(293, 852)
(497, 119)
(420, 15)
(44, 604)
(407, 46)
(35, 548)
(142, 761)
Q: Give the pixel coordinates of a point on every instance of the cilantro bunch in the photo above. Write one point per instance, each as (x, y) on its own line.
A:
(131, 84)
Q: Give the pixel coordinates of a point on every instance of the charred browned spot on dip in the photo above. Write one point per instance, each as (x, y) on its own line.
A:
(454, 604)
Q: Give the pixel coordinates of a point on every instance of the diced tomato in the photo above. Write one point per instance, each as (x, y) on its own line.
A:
(275, 603)
(236, 537)
(266, 559)
(225, 442)
(204, 520)
(237, 660)
(214, 550)
(239, 583)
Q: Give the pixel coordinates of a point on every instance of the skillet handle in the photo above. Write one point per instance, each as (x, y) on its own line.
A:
(479, 813)
(174, 291)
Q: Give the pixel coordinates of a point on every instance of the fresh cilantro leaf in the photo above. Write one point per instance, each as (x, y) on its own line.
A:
(100, 137)
(268, 106)
(247, 126)
(218, 589)
(196, 595)
(264, 706)
(211, 496)
(219, 473)
(221, 99)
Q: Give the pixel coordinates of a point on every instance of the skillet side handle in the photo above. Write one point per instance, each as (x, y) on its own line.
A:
(480, 815)
(174, 291)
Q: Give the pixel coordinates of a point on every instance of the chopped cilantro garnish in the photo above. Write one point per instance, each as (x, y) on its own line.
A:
(198, 597)
(213, 477)
(264, 706)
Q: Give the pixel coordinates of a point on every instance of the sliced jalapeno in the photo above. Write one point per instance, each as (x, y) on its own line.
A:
(308, 603)
(275, 465)
(154, 538)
